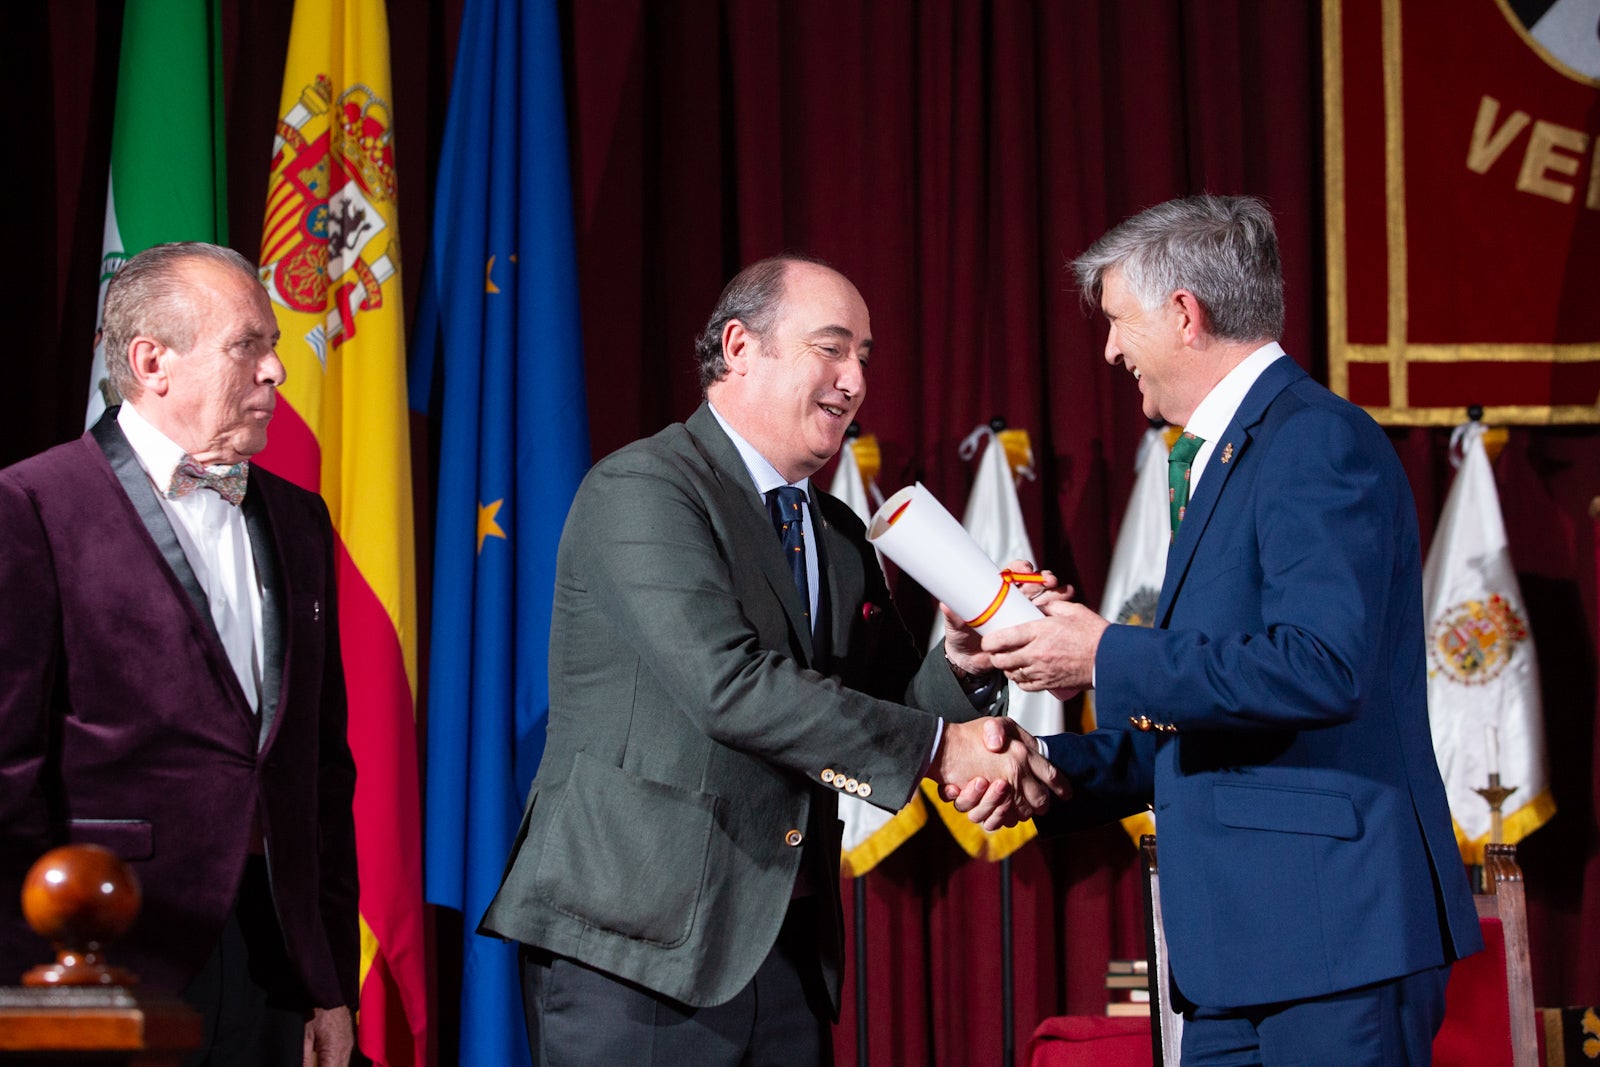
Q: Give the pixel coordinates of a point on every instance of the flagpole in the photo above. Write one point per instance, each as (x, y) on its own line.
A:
(1008, 993)
(859, 892)
(1008, 1039)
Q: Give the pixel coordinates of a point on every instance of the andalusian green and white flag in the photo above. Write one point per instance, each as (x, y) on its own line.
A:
(167, 146)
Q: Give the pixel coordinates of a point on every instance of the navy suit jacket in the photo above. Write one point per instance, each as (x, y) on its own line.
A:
(1306, 845)
(122, 723)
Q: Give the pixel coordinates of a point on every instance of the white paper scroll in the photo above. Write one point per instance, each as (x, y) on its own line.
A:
(924, 540)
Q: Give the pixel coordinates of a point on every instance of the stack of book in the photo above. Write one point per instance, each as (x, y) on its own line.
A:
(1128, 987)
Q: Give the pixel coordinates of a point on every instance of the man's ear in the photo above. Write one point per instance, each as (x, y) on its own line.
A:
(739, 346)
(1190, 314)
(145, 360)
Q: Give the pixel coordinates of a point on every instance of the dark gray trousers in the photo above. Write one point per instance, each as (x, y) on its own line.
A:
(580, 1017)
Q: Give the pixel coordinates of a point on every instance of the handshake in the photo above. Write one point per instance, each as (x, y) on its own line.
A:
(991, 769)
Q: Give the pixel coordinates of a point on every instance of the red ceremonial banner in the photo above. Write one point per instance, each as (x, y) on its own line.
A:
(1463, 208)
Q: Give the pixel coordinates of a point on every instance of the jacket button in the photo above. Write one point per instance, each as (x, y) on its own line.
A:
(1141, 723)
(827, 776)
(864, 790)
(851, 786)
(793, 838)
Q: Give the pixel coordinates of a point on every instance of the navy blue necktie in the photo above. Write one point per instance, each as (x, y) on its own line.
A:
(788, 518)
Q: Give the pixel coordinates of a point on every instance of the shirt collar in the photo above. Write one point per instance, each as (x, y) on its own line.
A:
(1216, 411)
(762, 472)
(158, 453)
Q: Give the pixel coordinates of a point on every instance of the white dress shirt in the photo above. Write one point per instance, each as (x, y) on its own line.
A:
(216, 543)
(1210, 420)
(767, 478)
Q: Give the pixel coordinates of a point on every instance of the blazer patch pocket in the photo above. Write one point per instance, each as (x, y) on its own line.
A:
(1289, 811)
(130, 839)
(645, 884)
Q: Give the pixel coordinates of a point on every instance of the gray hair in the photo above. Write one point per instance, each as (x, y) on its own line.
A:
(149, 297)
(754, 297)
(1223, 249)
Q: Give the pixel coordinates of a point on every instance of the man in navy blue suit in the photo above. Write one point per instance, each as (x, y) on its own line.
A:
(1276, 715)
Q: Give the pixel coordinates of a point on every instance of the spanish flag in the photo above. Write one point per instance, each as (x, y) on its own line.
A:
(330, 259)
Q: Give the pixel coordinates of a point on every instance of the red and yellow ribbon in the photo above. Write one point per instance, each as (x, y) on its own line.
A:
(1008, 578)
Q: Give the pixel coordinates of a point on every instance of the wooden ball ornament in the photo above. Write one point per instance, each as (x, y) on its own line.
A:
(81, 898)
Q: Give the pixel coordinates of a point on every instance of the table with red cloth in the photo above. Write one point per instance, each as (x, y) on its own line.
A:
(1085, 1040)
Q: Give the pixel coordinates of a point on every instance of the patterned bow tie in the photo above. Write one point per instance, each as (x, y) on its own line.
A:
(229, 481)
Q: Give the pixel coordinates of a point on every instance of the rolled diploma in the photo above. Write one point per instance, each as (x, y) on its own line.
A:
(924, 540)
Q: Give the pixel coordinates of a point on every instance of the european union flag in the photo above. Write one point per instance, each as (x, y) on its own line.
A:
(499, 315)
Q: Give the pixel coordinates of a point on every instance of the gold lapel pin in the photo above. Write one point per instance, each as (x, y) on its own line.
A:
(1227, 451)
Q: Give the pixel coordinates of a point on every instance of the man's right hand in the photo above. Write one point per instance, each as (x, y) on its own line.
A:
(330, 1038)
(992, 769)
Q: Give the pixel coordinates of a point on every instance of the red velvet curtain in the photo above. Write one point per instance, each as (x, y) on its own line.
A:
(950, 156)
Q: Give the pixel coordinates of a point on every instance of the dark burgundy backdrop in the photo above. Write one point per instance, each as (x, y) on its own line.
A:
(950, 156)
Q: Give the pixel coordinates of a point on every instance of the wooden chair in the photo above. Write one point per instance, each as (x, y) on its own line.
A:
(1489, 1013)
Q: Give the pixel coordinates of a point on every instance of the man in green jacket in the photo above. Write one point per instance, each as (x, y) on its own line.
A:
(675, 880)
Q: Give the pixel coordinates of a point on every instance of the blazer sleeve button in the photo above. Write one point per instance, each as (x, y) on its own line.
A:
(827, 776)
(864, 790)
(793, 838)
(851, 786)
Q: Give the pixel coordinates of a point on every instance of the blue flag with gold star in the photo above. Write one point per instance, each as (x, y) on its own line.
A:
(499, 363)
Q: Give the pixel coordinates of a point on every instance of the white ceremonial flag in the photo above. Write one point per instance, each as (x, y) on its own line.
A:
(1138, 565)
(870, 833)
(994, 519)
(1483, 672)
(1139, 560)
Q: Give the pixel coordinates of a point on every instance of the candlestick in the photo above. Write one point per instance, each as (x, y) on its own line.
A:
(1496, 795)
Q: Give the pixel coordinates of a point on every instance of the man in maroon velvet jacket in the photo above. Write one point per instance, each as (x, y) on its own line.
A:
(170, 681)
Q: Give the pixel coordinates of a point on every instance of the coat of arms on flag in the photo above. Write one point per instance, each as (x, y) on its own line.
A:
(326, 225)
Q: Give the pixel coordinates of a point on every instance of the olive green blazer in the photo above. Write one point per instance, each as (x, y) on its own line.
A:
(697, 739)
